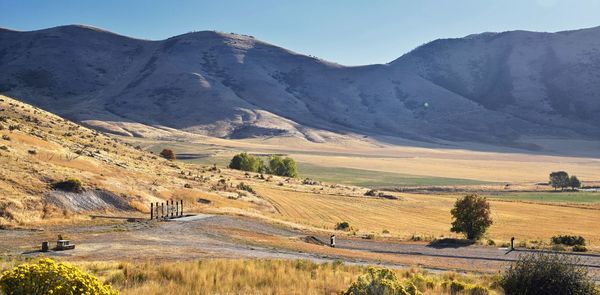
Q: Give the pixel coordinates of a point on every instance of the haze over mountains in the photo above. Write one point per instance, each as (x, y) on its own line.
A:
(491, 87)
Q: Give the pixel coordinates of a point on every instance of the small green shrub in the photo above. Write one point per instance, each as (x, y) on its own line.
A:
(491, 243)
(385, 231)
(543, 273)
(344, 225)
(579, 248)
(6, 137)
(371, 193)
(478, 290)
(245, 187)
(422, 282)
(456, 287)
(568, 240)
(168, 154)
(49, 277)
(70, 185)
(369, 236)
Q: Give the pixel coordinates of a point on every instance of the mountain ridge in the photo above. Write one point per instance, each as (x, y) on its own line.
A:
(484, 88)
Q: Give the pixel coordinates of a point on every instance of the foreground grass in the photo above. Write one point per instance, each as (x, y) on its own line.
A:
(223, 276)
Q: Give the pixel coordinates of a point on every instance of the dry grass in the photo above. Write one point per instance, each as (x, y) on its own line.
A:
(38, 148)
(222, 276)
(430, 215)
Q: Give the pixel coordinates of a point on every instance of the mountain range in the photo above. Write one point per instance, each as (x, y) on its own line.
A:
(492, 88)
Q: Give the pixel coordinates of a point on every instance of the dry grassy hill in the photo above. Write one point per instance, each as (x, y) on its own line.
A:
(38, 149)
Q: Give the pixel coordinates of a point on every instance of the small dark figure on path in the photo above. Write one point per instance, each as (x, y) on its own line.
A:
(332, 241)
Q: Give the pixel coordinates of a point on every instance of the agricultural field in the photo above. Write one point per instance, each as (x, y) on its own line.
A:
(428, 215)
(552, 197)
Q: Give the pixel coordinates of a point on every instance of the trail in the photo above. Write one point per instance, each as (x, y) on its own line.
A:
(213, 236)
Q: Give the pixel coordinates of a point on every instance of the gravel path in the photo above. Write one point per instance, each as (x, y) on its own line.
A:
(206, 236)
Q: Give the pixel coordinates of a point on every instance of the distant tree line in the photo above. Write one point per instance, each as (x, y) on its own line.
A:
(562, 180)
(276, 165)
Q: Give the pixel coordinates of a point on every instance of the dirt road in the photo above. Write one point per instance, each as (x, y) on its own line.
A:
(212, 236)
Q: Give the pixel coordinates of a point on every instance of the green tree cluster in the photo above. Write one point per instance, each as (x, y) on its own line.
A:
(247, 162)
(471, 216)
(276, 165)
(562, 180)
(282, 166)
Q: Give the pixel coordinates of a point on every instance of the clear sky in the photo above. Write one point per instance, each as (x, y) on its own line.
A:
(349, 32)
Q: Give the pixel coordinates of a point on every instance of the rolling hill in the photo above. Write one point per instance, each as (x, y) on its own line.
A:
(490, 88)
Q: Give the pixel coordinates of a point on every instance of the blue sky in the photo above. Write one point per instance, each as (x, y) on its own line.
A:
(348, 32)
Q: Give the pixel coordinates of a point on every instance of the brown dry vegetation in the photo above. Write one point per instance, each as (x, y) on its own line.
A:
(223, 276)
(43, 148)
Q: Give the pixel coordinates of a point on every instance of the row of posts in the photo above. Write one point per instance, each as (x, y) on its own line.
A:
(171, 209)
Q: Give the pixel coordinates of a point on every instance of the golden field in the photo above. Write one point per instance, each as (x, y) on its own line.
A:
(429, 215)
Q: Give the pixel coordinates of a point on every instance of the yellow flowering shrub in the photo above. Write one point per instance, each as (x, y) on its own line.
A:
(47, 276)
(379, 281)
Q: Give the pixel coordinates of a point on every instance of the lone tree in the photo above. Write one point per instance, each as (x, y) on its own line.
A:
(574, 182)
(547, 274)
(559, 179)
(168, 154)
(471, 216)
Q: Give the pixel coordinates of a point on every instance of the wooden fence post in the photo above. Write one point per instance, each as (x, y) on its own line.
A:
(181, 211)
(162, 210)
(177, 209)
(151, 211)
(172, 209)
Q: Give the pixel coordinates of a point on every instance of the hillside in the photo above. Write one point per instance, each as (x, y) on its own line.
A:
(493, 88)
(38, 149)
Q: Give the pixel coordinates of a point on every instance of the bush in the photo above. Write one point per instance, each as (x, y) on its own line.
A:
(371, 193)
(471, 216)
(168, 154)
(579, 248)
(479, 290)
(70, 185)
(547, 274)
(247, 162)
(49, 277)
(568, 240)
(379, 281)
(245, 187)
(345, 226)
